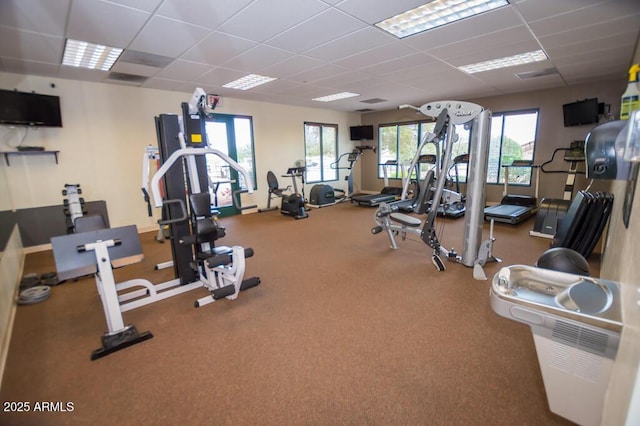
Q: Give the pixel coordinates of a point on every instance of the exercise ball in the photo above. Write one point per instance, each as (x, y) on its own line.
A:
(564, 260)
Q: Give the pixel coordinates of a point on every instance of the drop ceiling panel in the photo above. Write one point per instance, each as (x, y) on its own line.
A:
(35, 15)
(597, 33)
(292, 65)
(176, 37)
(320, 47)
(318, 73)
(104, 23)
(257, 58)
(608, 11)
(486, 23)
(492, 42)
(183, 70)
(376, 56)
(366, 38)
(30, 46)
(322, 28)
(217, 48)
(364, 10)
(399, 64)
(534, 10)
(19, 66)
(207, 14)
(258, 22)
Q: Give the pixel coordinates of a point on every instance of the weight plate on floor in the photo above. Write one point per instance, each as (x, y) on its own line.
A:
(34, 295)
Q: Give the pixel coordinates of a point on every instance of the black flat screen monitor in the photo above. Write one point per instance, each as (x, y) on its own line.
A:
(359, 133)
(581, 112)
(29, 109)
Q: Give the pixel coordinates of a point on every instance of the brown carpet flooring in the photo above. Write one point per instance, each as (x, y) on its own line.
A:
(342, 330)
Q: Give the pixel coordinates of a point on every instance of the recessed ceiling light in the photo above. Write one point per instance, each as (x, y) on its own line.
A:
(249, 81)
(336, 97)
(509, 61)
(88, 55)
(435, 14)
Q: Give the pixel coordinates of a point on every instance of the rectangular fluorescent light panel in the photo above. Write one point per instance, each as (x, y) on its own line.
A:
(248, 82)
(89, 55)
(336, 97)
(509, 61)
(435, 14)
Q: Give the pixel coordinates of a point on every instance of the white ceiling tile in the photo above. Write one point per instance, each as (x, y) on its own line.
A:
(277, 86)
(343, 79)
(571, 56)
(485, 53)
(534, 10)
(625, 27)
(168, 37)
(19, 66)
(489, 22)
(399, 64)
(350, 44)
(292, 65)
(609, 11)
(220, 76)
(135, 69)
(217, 48)
(208, 14)
(105, 23)
(35, 15)
(492, 41)
(183, 70)
(364, 10)
(30, 46)
(376, 56)
(146, 5)
(84, 74)
(317, 73)
(250, 23)
(257, 58)
(324, 27)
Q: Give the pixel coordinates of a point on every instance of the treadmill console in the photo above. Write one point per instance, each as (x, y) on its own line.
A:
(575, 152)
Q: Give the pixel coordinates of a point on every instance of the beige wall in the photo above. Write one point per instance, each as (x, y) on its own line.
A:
(622, 405)
(107, 127)
(551, 131)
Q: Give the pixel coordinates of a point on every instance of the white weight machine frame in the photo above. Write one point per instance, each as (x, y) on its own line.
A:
(475, 252)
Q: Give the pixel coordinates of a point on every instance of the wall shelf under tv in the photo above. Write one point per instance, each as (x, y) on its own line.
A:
(7, 154)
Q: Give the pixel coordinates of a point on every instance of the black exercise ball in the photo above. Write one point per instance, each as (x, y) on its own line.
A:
(564, 260)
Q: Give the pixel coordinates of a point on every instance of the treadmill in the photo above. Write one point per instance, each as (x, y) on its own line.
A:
(514, 209)
(387, 195)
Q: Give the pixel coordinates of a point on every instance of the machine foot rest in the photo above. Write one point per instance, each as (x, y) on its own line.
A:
(114, 342)
(249, 283)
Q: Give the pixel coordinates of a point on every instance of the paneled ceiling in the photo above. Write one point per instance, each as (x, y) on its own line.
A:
(320, 47)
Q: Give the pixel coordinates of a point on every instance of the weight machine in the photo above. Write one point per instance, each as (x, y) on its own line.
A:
(197, 262)
(475, 252)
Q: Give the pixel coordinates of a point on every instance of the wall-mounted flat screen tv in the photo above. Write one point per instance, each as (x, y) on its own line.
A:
(581, 112)
(359, 133)
(29, 109)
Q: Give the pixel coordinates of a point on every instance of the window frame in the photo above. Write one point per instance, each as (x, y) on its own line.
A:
(323, 168)
(500, 174)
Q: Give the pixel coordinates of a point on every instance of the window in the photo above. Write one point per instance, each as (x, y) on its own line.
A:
(513, 137)
(399, 142)
(320, 150)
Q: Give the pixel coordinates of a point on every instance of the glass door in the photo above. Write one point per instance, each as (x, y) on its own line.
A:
(233, 136)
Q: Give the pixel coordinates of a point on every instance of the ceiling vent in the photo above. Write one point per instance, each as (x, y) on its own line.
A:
(533, 74)
(129, 78)
(365, 110)
(143, 58)
(373, 101)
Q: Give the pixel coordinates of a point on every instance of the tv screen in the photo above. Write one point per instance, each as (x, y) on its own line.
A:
(29, 109)
(359, 133)
(580, 112)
